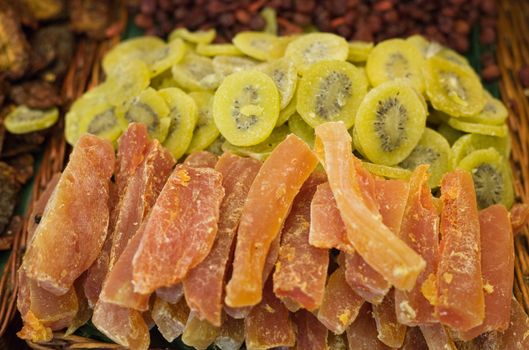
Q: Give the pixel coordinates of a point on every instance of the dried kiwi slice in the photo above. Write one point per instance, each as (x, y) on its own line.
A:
(150, 109)
(137, 48)
(196, 73)
(450, 134)
(205, 131)
(394, 59)
(198, 37)
(330, 91)
(218, 49)
(390, 122)
(246, 107)
(469, 143)
(492, 177)
(288, 111)
(23, 119)
(359, 51)
(494, 112)
(101, 120)
(259, 45)
(297, 126)
(420, 42)
(125, 82)
(475, 128)
(164, 80)
(453, 89)
(386, 171)
(452, 56)
(432, 149)
(262, 150)
(165, 57)
(316, 47)
(183, 117)
(226, 65)
(284, 74)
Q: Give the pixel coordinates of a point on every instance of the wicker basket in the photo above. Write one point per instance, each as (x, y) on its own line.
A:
(512, 51)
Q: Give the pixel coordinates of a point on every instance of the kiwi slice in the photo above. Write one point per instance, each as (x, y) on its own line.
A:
(284, 74)
(164, 80)
(150, 109)
(469, 143)
(432, 149)
(300, 128)
(262, 150)
(393, 59)
(259, 45)
(288, 111)
(183, 117)
(198, 37)
(101, 120)
(23, 119)
(124, 83)
(205, 131)
(218, 49)
(476, 128)
(270, 17)
(492, 177)
(453, 89)
(136, 48)
(226, 65)
(359, 51)
(316, 47)
(450, 134)
(330, 91)
(246, 107)
(386, 171)
(196, 73)
(494, 112)
(420, 43)
(390, 122)
(163, 58)
(452, 56)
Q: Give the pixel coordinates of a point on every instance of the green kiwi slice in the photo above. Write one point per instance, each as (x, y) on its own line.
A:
(183, 117)
(150, 109)
(124, 83)
(226, 65)
(262, 150)
(432, 149)
(469, 143)
(330, 91)
(131, 49)
(476, 128)
(300, 128)
(198, 37)
(452, 88)
(315, 47)
(389, 172)
(23, 119)
(359, 51)
(288, 111)
(389, 123)
(450, 134)
(492, 177)
(218, 50)
(258, 45)
(284, 74)
(163, 58)
(493, 113)
(205, 130)
(246, 107)
(196, 73)
(394, 59)
(420, 43)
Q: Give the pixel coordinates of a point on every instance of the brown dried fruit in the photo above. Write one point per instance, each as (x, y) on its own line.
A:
(17, 144)
(44, 9)
(23, 164)
(14, 56)
(54, 46)
(35, 94)
(491, 72)
(487, 35)
(91, 17)
(9, 188)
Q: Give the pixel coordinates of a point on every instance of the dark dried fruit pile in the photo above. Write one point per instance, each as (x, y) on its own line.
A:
(447, 21)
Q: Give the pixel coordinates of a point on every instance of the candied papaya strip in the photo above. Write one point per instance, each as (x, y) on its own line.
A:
(172, 294)
(201, 159)
(390, 331)
(437, 337)
(399, 264)
(362, 334)
(40, 205)
(204, 284)
(364, 280)
(268, 325)
(516, 337)
(124, 326)
(519, 216)
(497, 268)
(199, 334)
(231, 334)
(170, 318)
(340, 304)
(301, 269)
(84, 311)
(311, 334)
(327, 229)
(460, 300)
(414, 340)
(269, 200)
(180, 229)
(74, 225)
(138, 198)
(420, 230)
(132, 147)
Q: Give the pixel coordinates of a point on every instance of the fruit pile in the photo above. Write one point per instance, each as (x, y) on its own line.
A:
(405, 101)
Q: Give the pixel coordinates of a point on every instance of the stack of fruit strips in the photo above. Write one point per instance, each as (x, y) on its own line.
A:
(275, 231)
